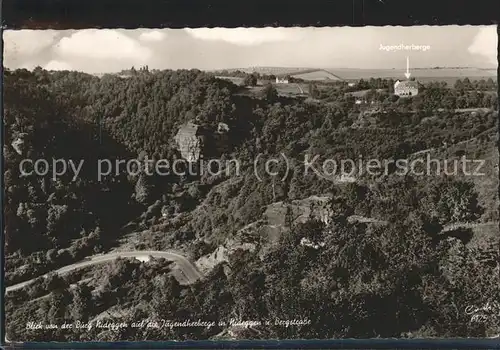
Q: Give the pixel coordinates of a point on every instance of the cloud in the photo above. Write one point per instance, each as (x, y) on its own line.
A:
(154, 35)
(103, 44)
(58, 65)
(246, 36)
(23, 47)
(485, 44)
(28, 42)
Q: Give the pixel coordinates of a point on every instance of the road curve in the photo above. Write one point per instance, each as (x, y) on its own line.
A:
(466, 225)
(188, 269)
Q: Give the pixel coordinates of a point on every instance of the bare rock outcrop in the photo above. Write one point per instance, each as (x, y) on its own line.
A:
(194, 141)
(189, 141)
(19, 144)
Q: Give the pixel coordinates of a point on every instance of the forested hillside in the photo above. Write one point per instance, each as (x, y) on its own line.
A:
(408, 277)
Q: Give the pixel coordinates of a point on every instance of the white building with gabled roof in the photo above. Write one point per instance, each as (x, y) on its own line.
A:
(406, 88)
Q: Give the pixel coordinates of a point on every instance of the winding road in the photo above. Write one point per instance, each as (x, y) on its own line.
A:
(190, 273)
(467, 225)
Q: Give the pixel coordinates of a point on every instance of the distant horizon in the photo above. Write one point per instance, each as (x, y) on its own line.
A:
(306, 68)
(368, 68)
(260, 67)
(276, 67)
(298, 69)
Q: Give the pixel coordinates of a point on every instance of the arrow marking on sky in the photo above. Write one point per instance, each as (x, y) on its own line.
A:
(407, 74)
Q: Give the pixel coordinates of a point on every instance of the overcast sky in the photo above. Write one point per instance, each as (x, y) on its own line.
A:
(111, 50)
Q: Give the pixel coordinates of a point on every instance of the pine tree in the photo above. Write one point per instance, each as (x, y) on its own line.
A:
(142, 189)
(289, 219)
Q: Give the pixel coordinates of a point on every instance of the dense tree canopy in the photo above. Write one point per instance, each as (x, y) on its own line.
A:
(396, 275)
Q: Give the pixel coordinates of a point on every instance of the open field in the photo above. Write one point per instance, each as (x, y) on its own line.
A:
(234, 80)
(272, 70)
(290, 89)
(283, 89)
(422, 74)
(449, 75)
(450, 80)
(318, 75)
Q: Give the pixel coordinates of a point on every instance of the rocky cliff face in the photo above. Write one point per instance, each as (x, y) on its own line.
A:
(263, 233)
(301, 210)
(267, 230)
(194, 141)
(189, 141)
(19, 144)
(207, 262)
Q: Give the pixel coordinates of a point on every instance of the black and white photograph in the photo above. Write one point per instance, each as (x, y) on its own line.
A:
(251, 183)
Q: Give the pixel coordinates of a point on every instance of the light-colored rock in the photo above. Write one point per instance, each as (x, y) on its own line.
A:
(207, 262)
(189, 142)
(19, 144)
(194, 141)
(222, 128)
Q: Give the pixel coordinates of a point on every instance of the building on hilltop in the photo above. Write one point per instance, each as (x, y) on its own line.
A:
(281, 80)
(407, 88)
